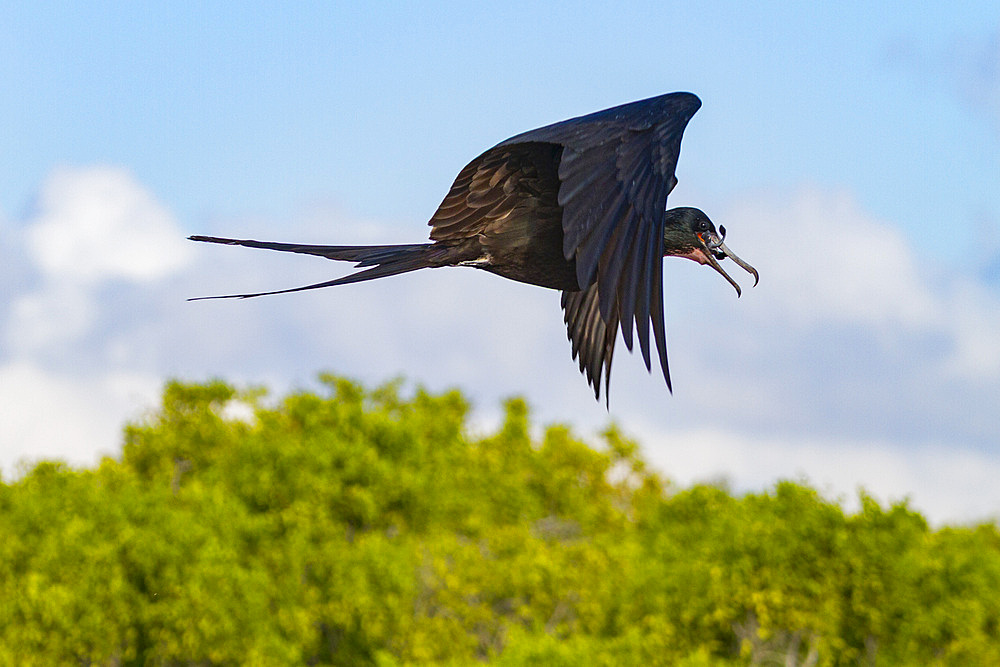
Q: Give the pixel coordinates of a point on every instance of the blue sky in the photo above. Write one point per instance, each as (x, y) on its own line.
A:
(852, 151)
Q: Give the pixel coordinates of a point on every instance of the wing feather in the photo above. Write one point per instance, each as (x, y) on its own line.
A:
(610, 268)
(490, 188)
(607, 213)
(630, 292)
(592, 341)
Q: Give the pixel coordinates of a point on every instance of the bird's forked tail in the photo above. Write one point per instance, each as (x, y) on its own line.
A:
(384, 260)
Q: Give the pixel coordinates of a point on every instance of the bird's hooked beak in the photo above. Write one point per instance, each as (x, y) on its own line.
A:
(715, 249)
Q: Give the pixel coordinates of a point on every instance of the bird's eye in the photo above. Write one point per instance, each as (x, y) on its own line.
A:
(703, 226)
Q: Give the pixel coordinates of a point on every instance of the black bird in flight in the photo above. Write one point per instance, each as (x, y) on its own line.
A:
(578, 206)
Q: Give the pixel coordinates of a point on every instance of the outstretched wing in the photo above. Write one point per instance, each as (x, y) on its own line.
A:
(616, 170)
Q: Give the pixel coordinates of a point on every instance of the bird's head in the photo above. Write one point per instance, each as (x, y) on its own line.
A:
(689, 233)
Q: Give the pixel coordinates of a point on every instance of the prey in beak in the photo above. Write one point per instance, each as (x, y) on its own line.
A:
(713, 248)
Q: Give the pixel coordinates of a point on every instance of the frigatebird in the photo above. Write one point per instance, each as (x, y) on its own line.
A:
(578, 206)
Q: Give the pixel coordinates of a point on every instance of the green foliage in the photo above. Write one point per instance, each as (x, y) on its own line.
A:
(365, 527)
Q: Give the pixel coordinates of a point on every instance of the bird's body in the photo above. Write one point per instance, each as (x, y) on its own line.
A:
(577, 206)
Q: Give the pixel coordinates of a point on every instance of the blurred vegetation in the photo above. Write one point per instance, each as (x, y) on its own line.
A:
(364, 527)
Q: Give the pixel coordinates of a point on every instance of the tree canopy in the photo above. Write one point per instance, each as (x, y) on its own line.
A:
(365, 526)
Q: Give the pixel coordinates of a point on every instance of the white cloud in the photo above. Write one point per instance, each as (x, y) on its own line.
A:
(973, 320)
(55, 415)
(830, 269)
(49, 317)
(91, 226)
(944, 482)
(97, 223)
(829, 261)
